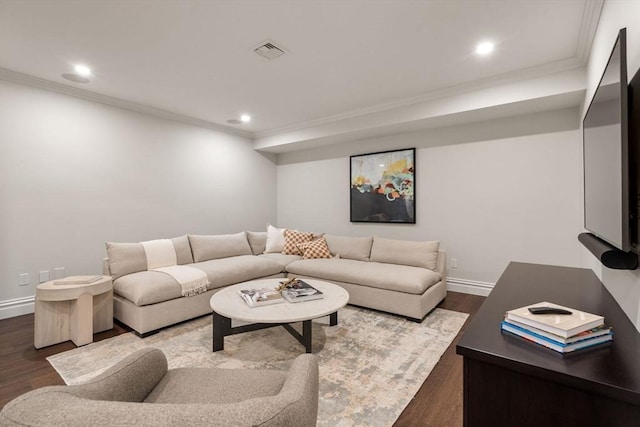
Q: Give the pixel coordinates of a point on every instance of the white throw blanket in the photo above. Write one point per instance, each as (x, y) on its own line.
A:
(192, 280)
(161, 256)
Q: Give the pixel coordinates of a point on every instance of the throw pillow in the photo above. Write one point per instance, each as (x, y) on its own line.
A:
(315, 249)
(275, 239)
(292, 239)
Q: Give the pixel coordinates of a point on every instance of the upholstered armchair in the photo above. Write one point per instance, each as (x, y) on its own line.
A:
(141, 391)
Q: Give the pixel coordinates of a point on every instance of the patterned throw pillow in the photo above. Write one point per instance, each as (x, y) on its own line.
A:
(315, 249)
(292, 239)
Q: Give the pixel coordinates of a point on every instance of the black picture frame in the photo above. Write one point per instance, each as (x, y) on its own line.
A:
(382, 187)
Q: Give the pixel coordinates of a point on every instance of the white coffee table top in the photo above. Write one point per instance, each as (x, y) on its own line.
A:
(228, 303)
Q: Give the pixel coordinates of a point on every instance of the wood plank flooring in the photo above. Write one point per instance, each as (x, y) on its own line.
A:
(439, 400)
(437, 403)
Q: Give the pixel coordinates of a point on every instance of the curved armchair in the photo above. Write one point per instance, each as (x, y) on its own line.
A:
(141, 391)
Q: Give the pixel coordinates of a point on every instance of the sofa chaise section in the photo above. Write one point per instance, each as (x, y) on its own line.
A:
(396, 276)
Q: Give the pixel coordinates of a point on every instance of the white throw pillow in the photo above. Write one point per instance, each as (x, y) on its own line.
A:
(275, 239)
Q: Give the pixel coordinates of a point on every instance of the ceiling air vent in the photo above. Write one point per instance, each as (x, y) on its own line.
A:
(269, 50)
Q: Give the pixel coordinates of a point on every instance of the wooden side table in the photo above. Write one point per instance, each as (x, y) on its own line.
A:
(72, 312)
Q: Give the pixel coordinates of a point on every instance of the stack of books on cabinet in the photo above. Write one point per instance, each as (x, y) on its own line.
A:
(559, 328)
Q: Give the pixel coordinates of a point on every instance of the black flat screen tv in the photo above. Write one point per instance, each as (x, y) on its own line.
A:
(610, 196)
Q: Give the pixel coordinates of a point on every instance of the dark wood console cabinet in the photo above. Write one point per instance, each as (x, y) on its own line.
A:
(510, 382)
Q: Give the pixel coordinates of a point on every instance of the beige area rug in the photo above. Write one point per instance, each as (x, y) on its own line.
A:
(371, 363)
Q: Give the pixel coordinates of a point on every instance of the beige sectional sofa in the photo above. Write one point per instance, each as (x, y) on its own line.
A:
(396, 276)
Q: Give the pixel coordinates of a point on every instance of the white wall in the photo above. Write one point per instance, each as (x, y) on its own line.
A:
(491, 192)
(75, 174)
(616, 14)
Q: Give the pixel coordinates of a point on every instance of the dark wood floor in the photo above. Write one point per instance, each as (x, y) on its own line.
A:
(439, 400)
(437, 403)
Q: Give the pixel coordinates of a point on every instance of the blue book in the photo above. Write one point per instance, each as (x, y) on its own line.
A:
(552, 344)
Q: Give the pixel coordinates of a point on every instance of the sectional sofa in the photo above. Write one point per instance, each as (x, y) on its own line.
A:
(396, 276)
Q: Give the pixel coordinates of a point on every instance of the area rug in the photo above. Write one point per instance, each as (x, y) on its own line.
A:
(371, 363)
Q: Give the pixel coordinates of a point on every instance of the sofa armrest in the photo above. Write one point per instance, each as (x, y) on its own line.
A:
(106, 269)
(129, 380)
(441, 264)
(300, 390)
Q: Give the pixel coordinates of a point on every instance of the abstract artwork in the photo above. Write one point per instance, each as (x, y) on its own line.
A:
(383, 187)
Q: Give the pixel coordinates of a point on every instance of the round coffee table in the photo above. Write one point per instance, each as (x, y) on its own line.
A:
(228, 305)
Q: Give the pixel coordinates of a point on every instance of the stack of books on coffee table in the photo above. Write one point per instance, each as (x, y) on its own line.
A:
(300, 291)
(556, 327)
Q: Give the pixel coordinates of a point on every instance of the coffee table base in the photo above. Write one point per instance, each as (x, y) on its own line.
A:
(222, 328)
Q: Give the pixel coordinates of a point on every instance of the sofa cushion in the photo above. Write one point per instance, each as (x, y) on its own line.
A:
(125, 258)
(183, 249)
(228, 271)
(198, 385)
(282, 259)
(147, 287)
(257, 241)
(315, 249)
(405, 252)
(275, 239)
(292, 238)
(205, 248)
(150, 287)
(358, 248)
(401, 278)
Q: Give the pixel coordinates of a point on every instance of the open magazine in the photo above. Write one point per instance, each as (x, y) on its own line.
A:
(259, 297)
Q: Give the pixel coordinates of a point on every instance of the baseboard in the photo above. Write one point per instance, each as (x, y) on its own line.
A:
(17, 307)
(469, 286)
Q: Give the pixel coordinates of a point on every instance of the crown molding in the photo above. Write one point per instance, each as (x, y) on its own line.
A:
(590, 19)
(25, 79)
(500, 79)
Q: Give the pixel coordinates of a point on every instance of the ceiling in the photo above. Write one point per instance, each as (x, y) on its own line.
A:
(194, 59)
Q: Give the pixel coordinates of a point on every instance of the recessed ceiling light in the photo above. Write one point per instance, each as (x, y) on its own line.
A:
(76, 78)
(83, 70)
(245, 118)
(485, 48)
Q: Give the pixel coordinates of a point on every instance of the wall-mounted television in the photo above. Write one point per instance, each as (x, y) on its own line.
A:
(610, 178)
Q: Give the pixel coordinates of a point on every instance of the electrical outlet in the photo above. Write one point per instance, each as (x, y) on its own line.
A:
(44, 276)
(58, 273)
(454, 263)
(24, 279)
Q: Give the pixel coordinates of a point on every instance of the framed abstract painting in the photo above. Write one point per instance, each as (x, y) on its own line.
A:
(383, 187)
